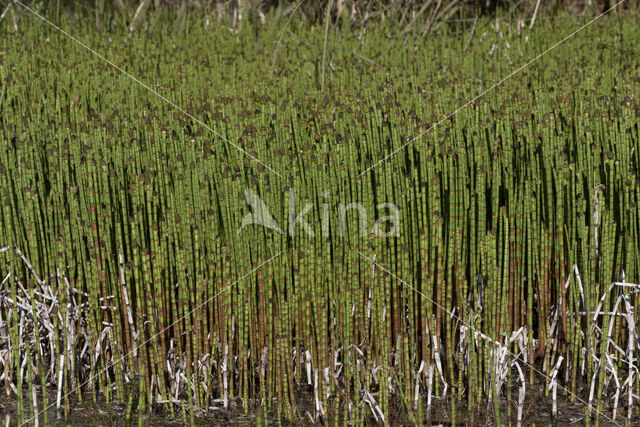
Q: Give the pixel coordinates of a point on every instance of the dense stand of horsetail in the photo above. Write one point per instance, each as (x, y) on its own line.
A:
(438, 249)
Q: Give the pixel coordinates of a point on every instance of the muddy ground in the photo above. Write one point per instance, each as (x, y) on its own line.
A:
(537, 411)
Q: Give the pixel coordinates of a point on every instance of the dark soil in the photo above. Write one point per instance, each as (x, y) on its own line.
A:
(537, 411)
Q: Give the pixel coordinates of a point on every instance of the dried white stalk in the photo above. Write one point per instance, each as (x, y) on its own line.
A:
(631, 325)
(225, 376)
(59, 396)
(34, 397)
(592, 388)
(521, 393)
(371, 401)
(326, 382)
(436, 356)
(429, 389)
(308, 366)
(553, 385)
(416, 393)
(615, 378)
